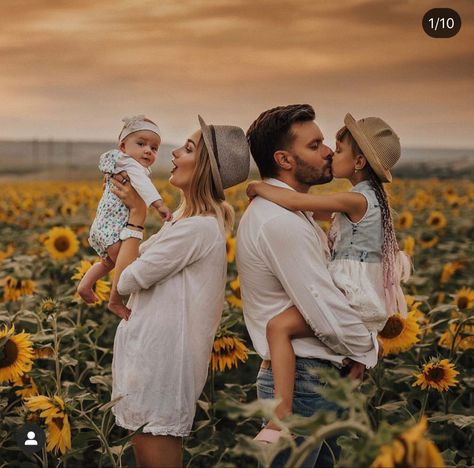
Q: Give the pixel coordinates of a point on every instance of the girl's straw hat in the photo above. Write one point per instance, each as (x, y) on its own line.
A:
(379, 143)
(229, 154)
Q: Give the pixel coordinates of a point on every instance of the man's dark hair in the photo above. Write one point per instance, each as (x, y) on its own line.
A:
(272, 132)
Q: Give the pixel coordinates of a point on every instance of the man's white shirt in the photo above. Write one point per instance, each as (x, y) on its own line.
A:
(282, 261)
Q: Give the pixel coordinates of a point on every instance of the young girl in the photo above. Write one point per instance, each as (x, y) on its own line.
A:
(139, 141)
(366, 263)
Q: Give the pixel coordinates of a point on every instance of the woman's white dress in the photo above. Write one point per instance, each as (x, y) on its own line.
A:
(161, 353)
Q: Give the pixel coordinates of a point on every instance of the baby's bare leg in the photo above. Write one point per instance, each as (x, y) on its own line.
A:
(280, 330)
(94, 273)
(116, 304)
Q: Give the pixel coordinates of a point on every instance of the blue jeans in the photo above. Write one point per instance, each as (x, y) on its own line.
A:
(306, 402)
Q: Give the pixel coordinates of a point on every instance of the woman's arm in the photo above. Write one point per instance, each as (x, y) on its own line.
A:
(352, 203)
(129, 247)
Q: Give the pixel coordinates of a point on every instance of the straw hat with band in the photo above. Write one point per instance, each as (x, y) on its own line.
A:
(229, 154)
(379, 143)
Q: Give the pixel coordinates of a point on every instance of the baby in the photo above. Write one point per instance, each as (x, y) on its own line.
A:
(139, 141)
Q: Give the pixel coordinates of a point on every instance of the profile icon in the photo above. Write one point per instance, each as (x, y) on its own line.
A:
(30, 438)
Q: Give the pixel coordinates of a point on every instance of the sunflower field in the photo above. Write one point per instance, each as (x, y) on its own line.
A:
(413, 409)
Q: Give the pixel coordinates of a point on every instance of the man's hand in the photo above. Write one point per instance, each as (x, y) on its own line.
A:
(356, 369)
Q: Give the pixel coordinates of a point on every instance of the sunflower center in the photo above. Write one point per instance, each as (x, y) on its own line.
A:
(435, 374)
(462, 302)
(392, 328)
(61, 243)
(59, 422)
(9, 354)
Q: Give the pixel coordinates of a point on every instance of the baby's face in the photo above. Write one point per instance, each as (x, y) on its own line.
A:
(142, 146)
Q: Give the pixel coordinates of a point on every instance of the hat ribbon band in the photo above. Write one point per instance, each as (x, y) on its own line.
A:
(214, 145)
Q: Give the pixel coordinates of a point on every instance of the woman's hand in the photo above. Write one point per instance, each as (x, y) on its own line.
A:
(252, 189)
(120, 186)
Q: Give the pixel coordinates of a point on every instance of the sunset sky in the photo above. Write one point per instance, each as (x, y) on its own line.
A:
(71, 69)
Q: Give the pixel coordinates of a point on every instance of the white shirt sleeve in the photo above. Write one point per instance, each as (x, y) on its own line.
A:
(139, 179)
(183, 244)
(297, 259)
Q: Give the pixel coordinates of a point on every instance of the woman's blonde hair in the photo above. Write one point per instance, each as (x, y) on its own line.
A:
(203, 197)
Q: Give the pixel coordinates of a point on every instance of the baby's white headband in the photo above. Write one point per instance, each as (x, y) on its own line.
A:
(135, 124)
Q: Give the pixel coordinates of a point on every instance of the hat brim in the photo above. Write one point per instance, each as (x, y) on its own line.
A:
(216, 177)
(383, 174)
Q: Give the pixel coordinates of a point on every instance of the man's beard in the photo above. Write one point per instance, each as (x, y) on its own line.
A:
(307, 174)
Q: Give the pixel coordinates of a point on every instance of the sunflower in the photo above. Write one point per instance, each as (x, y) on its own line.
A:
(410, 449)
(462, 342)
(437, 220)
(61, 243)
(464, 298)
(28, 385)
(405, 220)
(453, 200)
(48, 305)
(68, 209)
(15, 288)
(448, 191)
(57, 422)
(416, 204)
(43, 353)
(409, 246)
(230, 248)
(437, 374)
(59, 434)
(7, 252)
(16, 354)
(235, 299)
(48, 213)
(413, 306)
(449, 269)
(101, 288)
(400, 334)
(428, 240)
(227, 351)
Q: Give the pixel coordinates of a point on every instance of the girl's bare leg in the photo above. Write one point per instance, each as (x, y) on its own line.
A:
(280, 331)
(157, 451)
(116, 304)
(94, 273)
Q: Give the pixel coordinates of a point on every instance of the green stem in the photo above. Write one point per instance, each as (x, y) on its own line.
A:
(212, 392)
(100, 435)
(446, 403)
(56, 361)
(423, 406)
(298, 456)
(456, 334)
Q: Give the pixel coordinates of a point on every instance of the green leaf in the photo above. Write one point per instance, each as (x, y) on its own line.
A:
(459, 420)
(110, 404)
(102, 379)
(392, 406)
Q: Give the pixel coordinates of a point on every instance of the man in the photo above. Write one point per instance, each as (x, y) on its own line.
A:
(282, 261)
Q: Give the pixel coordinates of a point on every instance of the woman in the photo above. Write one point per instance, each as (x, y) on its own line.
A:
(177, 281)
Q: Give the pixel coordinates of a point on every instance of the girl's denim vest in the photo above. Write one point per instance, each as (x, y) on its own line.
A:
(360, 241)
